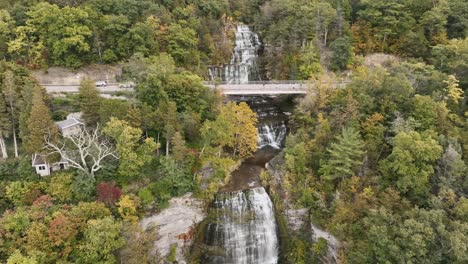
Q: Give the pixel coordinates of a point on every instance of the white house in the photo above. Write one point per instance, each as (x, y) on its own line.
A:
(69, 127)
(45, 168)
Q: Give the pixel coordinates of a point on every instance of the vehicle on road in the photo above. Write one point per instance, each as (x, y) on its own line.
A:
(101, 83)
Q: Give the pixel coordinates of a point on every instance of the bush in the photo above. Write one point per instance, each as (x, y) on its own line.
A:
(60, 187)
(83, 187)
(108, 193)
(161, 190)
(109, 56)
(16, 192)
(59, 115)
(146, 196)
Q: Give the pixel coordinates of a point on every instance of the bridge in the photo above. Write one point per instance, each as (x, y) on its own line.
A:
(250, 88)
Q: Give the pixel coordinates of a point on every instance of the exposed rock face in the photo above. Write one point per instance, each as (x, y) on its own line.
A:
(63, 76)
(175, 225)
(298, 217)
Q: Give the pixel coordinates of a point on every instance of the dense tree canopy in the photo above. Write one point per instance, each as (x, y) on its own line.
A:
(381, 162)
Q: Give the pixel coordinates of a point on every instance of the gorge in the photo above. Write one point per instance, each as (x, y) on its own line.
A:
(243, 227)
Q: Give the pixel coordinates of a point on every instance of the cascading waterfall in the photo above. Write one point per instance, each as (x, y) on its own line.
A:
(245, 229)
(271, 134)
(243, 65)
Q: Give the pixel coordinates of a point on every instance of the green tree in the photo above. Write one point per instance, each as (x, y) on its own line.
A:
(18, 258)
(112, 108)
(411, 163)
(424, 111)
(62, 32)
(6, 31)
(179, 149)
(40, 125)
(101, 239)
(182, 44)
(345, 155)
(132, 155)
(89, 102)
(457, 21)
(390, 19)
(342, 53)
(452, 58)
(60, 187)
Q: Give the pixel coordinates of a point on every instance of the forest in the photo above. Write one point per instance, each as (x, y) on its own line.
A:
(382, 163)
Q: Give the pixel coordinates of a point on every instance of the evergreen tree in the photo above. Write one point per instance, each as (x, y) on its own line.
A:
(345, 155)
(89, 102)
(179, 150)
(39, 124)
(342, 53)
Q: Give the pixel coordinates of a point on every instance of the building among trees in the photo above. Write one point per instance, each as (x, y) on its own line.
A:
(69, 127)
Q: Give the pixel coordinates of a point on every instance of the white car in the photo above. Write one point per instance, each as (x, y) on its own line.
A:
(101, 83)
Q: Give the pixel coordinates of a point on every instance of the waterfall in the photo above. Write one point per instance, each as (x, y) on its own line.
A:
(245, 229)
(271, 135)
(243, 65)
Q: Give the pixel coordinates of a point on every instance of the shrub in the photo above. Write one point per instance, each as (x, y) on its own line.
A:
(60, 187)
(108, 193)
(83, 187)
(146, 197)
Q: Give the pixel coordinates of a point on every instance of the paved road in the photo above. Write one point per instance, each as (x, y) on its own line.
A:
(74, 89)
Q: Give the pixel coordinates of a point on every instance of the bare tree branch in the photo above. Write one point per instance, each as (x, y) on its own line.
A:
(86, 152)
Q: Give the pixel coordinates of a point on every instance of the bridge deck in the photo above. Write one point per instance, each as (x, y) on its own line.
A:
(251, 88)
(258, 89)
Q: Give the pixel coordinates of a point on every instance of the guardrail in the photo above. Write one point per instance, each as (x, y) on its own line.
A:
(269, 82)
(65, 85)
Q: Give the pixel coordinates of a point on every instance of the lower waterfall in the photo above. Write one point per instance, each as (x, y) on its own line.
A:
(245, 230)
(241, 227)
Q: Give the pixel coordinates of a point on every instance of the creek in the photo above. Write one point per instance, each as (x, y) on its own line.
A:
(243, 228)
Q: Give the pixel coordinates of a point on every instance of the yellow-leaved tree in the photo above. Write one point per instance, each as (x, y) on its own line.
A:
(128, 209)
(234, 128)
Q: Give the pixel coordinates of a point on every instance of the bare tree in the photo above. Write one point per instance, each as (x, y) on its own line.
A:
(84, 151)
(11, 98)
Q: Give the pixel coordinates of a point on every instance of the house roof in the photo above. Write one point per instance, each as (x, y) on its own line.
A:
(68, 123)
(39, 159)
(76, 115)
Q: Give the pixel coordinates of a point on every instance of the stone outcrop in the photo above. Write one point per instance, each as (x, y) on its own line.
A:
(175, 225)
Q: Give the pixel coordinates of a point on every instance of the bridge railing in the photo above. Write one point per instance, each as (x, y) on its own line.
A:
(258, 82)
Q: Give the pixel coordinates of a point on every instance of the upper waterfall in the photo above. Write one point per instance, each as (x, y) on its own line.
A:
(243, 65)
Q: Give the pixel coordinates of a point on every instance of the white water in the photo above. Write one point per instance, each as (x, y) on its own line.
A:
(245, 229)
(243, 65)
(271, 135)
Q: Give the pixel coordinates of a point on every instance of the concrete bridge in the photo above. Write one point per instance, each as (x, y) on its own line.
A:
(261, 87)
(250, 88)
